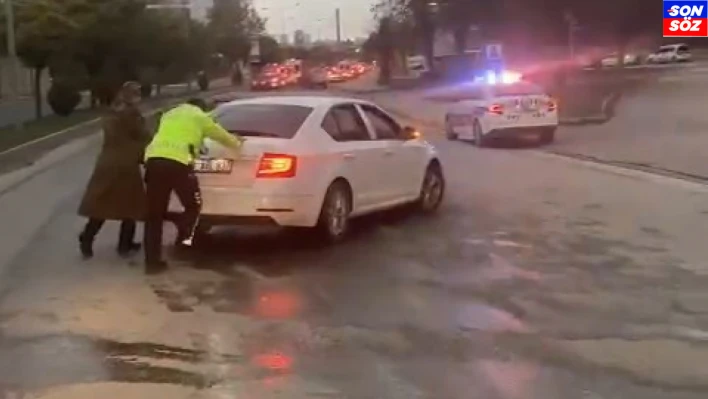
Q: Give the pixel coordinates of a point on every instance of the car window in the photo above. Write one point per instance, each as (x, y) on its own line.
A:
(683, 49)
(384, 127)
(343, 123)
(329, 124)
(262, 120)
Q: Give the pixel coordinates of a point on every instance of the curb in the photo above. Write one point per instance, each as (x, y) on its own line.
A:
(657, 175)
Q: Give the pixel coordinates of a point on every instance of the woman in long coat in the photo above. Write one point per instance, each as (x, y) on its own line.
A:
(116, 190)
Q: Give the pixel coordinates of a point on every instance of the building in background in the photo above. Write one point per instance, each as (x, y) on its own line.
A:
(307, 40)
(284, 39)
(200, 9)
(299, 38)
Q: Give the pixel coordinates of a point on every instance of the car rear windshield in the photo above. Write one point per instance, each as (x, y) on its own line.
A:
(263, 120)
(519, 89)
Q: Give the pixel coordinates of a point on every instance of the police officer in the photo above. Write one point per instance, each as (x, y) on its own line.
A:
(169, 161)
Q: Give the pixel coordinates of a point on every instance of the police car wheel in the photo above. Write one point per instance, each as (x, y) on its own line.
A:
(548, 136)
(449, 133)
(333, 223)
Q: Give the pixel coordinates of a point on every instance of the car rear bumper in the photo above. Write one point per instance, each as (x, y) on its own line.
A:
(226, 206)
(518, 132)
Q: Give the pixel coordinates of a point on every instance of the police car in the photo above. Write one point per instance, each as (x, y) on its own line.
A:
(501, 106)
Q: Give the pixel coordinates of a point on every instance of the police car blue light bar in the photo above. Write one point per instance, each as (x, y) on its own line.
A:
(505, 77)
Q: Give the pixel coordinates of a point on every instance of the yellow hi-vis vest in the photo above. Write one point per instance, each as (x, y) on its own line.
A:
(182, 131)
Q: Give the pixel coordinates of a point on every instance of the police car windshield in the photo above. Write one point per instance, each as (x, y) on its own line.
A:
(263, 120)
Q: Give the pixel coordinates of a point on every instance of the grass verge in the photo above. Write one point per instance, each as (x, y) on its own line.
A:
(11, 137)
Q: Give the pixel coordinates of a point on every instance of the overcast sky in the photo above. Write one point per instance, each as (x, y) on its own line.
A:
(315, 17)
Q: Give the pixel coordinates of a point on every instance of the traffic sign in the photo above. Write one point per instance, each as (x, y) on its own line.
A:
(494, 51)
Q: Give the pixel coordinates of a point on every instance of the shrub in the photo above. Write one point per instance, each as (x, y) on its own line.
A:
(63, 98)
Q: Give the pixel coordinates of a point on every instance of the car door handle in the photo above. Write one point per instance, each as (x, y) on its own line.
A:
(388, 153)
(349, 156)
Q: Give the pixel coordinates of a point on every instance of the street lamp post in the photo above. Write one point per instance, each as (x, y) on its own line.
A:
(572, 28)
(12, 52)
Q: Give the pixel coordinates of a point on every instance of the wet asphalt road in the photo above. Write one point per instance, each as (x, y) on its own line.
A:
(539, 278)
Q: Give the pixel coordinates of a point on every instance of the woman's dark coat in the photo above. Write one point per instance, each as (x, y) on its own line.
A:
(116, 190)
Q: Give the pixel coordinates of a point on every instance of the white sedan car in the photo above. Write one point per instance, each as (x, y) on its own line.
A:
(487, 111)
(313, 162)
(670, 53)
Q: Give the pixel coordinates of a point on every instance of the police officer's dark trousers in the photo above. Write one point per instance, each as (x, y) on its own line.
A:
(162, 177)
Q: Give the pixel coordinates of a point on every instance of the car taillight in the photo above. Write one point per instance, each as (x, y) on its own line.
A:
(552, 105)
(497, 109)
(277, 166)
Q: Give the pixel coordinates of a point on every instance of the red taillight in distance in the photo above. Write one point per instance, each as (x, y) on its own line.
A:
(496, 109)
(552, 105)
(277, 166)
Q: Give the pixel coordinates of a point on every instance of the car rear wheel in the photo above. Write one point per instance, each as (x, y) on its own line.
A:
(479, 140)
(449, 133)
(333, 223)
(547, 136)
(432, 191)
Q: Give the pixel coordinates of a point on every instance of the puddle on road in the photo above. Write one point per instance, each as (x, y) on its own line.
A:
(40, 362)
(482, 317)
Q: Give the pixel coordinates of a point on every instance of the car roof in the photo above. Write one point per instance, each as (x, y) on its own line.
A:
(306, 101)
(486, 85)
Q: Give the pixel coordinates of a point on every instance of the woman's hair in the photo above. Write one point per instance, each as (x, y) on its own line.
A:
(127, 93)
(199, 103)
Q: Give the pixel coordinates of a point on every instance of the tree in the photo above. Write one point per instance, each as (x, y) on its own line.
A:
(44, 31)
(270, 50)
(121, 46)
(232, 24)
(385, 45)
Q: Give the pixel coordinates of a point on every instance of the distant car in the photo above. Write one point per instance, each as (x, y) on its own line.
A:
(316, 162)
(612, 60)
(670, 53)
(268, 82)
(335, 75)
(316, 78)
(486, 111)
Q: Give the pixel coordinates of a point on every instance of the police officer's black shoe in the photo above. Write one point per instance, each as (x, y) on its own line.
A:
(153, 268)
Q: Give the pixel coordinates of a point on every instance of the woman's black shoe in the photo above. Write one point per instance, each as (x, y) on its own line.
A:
(153, 268)
(86, 246)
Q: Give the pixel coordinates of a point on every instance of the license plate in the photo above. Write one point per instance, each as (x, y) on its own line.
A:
(213, 165)
(512, 117)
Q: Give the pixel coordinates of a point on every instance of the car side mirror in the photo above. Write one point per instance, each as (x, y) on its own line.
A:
(410, 133)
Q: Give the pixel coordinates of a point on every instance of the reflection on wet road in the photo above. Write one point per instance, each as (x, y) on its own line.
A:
(537, 280)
